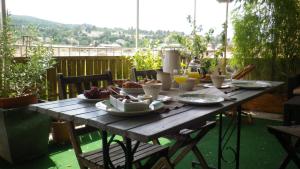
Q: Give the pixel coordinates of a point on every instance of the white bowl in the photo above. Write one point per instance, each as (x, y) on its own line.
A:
(152, 89)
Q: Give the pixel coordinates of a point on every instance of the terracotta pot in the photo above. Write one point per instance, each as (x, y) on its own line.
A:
(15, 102)
(60, 132)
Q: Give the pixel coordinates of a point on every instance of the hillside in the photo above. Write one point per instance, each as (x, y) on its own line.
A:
(81, 35)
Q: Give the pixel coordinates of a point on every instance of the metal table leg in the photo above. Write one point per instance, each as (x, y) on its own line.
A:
(220, 141)
(224, 138)
(126, 146)
(238, 141)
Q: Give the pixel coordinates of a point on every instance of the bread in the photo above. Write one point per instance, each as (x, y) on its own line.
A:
(130, 84)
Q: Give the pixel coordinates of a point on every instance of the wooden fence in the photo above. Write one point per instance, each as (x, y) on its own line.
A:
(76, 66)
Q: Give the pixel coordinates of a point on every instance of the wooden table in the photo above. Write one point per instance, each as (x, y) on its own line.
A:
(147, 128)
(285, 135)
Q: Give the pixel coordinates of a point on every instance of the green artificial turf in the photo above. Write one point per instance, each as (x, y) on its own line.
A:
(259, 150)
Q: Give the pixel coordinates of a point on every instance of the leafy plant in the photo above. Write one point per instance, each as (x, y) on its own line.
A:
(267, 34)
(26, 76)
(195, 45)
(145, 60)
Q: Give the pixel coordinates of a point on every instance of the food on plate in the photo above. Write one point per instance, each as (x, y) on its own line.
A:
(130, 84)
(97, 93)
(126, 103)
(120, 82)
(149, 81)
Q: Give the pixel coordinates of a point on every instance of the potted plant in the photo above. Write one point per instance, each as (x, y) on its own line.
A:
(24, 133)
(21, 80)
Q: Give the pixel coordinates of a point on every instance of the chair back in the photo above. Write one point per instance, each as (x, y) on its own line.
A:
(73, 85)
(293, 83)
(142, 74)
(245, 71)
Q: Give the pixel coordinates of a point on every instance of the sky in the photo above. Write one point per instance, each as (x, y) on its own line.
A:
(154, 14)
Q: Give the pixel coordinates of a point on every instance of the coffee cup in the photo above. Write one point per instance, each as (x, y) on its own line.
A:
(165, 79)
(189, 84)
(217, 80)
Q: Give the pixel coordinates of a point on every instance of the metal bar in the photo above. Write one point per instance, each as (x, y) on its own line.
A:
(238, 142)
(105, 148)
(137, 24)
(220, 141)
(128, 154)
(3, 17)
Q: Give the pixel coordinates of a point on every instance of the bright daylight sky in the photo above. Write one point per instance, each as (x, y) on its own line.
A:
(154, 14)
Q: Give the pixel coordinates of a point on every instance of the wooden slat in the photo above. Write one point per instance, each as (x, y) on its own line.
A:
(89, 66)
(72, 72)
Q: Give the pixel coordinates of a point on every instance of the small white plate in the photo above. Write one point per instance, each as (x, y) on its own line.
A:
(224, 86)
(251, 84)
(200, 99)
(83, 98)
(164, 98)
(106, 106)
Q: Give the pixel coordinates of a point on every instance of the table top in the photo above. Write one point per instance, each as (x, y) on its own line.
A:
(294, 101)
(143, 128)
(290, 130)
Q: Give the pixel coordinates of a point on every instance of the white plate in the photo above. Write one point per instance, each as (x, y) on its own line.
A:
(83, 98)
(132, 90)
(106, 106)
(224, 86)
(200, 99)
(164, 98)
(251, 84)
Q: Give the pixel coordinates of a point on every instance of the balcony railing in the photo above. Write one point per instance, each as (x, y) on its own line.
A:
(83, 65)
(64, 51)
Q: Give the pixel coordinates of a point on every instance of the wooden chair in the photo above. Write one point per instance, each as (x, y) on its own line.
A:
(184, 142)
(142, 74)
(240, 75)
(94, 159)
(77, 84)
(243, 72)
(293, 86)
(289, 138)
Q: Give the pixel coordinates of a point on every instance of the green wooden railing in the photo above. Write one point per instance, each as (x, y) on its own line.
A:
(80, 65)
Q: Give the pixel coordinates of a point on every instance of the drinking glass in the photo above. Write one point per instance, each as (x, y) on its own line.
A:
(231, 70)
(179, 78)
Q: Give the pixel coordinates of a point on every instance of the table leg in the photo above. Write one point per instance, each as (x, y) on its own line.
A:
(126, 146)
(238, 141)
(105, 149)
(225, 137)
(220, 141)
(285, 142)
(128, 154)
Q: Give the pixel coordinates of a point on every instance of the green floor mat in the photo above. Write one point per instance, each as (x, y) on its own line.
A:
(259, 150)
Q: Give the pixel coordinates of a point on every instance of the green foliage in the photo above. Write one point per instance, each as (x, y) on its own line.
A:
(267, 34)
(145, 60)
(66, 34)
(194, 44)
(21, 77)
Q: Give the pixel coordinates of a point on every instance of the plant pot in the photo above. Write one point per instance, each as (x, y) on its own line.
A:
(24, 134)
(16, 102)
(60, 133)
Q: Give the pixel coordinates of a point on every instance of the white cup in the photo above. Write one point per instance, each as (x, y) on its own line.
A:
(165, 79)
(152, 89)
(189, 84)
(217, 80)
